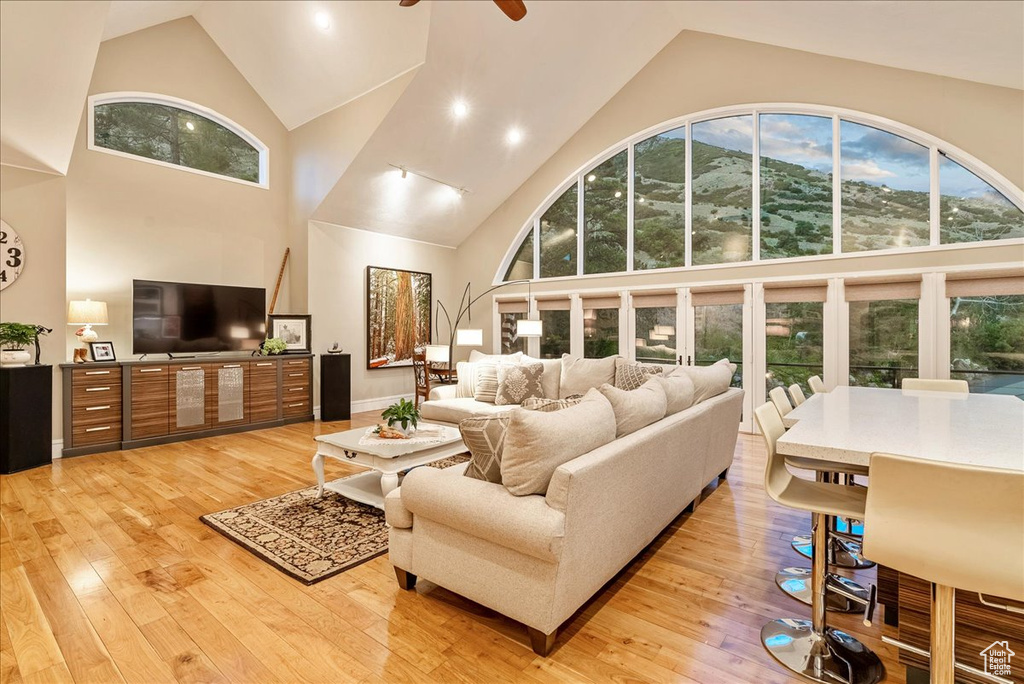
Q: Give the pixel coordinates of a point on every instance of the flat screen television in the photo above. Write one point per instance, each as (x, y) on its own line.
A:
(189, 318)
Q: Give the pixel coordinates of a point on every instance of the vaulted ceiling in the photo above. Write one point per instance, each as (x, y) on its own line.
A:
(546, 75)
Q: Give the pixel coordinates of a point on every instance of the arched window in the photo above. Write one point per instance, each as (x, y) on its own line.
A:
(172, 132)
(758, 183)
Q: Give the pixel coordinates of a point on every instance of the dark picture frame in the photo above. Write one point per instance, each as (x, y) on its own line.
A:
(102, 351)
(296, 330)
(399, 315)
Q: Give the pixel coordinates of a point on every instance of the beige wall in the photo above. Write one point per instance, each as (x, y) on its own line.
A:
(34, 205)
(338, 258)
(129, 219)
(699, 71)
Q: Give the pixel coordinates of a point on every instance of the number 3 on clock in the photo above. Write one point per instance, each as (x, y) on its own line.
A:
(12, 255)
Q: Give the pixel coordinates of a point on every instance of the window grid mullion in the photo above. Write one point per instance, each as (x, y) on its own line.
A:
(837, 189)
(934, 203)
(580, 187)
(688, 198)
(630, 208)
(755, 190)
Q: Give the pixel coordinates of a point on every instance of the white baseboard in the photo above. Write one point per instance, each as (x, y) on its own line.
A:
(369, 404)
(56, 448)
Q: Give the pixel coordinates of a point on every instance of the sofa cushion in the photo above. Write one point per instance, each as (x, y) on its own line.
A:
(545, 404)
(538, 442)
(631, 374)
(552, 376)
(678, 392)
(486, 389)
(637, 408)
(477, 357)
(485, 439)
(517, 382)
(580, 375)
(455, 410)
(708, 381)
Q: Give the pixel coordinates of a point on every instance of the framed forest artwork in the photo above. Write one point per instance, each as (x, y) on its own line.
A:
(398, 315)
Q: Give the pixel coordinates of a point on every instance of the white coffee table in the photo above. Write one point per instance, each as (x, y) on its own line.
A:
(385, 458)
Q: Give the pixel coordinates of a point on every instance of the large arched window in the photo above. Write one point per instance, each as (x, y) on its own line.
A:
(763, 183)
(173, 132)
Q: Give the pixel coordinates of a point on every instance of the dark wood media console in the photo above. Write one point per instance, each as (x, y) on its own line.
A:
(130, 404)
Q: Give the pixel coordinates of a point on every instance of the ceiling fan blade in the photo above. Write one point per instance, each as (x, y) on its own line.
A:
(407, 3)
(513, 9)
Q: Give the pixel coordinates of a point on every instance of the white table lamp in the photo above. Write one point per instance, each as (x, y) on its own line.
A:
(437, 353)
(527, 327)
(87, 313)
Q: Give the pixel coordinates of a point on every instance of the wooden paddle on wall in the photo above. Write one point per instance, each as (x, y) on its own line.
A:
(280, 276)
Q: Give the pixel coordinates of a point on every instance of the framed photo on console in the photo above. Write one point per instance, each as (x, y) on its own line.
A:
(102, 351)
(295, 330)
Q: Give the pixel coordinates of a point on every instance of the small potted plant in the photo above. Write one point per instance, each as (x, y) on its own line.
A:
(403, 416)
(14, 337)
(272, 345)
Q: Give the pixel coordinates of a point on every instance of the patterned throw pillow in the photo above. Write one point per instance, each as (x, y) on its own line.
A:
(517, 382)
(548, 405)
(631, 374)
(485, 439)
(486, 381)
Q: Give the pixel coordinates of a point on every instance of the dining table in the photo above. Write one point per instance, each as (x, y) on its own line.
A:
(849, 424)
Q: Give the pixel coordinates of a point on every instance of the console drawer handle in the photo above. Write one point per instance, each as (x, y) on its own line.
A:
(295, 363)
(294, 405)
(151, 370)
(97, 408)
(233, 365)
(96, 389)
(98, 429)
(296, 389)
(295, 375)
(103, 372)
(261, 365)
(192, 368)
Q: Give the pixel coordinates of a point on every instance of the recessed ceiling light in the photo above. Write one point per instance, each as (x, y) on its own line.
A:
(514, 136)
(460, 109)
(322, 20)
(190, 126)
(591, 178)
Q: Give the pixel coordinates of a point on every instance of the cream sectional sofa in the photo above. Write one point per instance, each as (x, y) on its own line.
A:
(538, 558)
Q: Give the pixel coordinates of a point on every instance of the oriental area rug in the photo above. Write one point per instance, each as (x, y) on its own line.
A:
(307, 538)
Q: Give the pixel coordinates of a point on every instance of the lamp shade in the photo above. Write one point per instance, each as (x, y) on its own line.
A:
(526, 327)
(469, 337)
(87, 312)
(436, 353)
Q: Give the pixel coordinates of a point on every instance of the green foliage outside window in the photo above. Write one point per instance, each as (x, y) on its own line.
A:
(659, 201)
(556, 340)
(175, 136)
(558, 236)
(883, 342)
(986, 341)
(794, 343)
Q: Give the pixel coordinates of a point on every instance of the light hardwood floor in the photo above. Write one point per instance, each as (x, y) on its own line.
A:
(107, 575)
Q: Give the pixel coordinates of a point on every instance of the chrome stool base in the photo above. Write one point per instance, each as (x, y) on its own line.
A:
(796, 582)
(835, 658)
(842, 553)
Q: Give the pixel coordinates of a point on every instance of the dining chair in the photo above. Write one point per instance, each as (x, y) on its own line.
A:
(781, 400)
(816, 384)
(960, 386)
(956, 526)
(421, 374)
(810, 647)
(797, 394)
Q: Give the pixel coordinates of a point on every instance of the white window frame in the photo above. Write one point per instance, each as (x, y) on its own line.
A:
(197, 109)
(933, 143)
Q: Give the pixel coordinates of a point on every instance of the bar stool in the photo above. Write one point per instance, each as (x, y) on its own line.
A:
(797, 394)
(810, 647)
(816, 384)
(845, 595)
(781, 400)
(959, 386)
(956, 526)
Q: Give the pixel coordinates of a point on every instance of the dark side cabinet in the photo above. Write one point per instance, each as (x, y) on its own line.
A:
(335, 387)
(26, 414)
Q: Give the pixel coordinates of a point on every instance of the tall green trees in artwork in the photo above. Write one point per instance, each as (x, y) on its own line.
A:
(398, 315)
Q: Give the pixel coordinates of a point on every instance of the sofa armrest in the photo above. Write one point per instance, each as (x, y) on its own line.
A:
(443, 392)
(485, 510)
(395, 512)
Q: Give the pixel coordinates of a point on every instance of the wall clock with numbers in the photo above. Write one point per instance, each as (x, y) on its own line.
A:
(12, 255)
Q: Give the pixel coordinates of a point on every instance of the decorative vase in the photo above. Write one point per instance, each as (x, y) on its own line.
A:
(408, 432)
(14, 357)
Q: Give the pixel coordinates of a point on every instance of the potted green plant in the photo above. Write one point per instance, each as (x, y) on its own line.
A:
(272, 345)
(14, 337)
(402, 416)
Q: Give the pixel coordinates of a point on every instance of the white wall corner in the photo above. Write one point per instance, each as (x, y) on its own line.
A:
(56, 449)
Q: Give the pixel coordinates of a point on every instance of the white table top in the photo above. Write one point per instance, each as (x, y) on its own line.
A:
(848, 424)
(427, 437)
